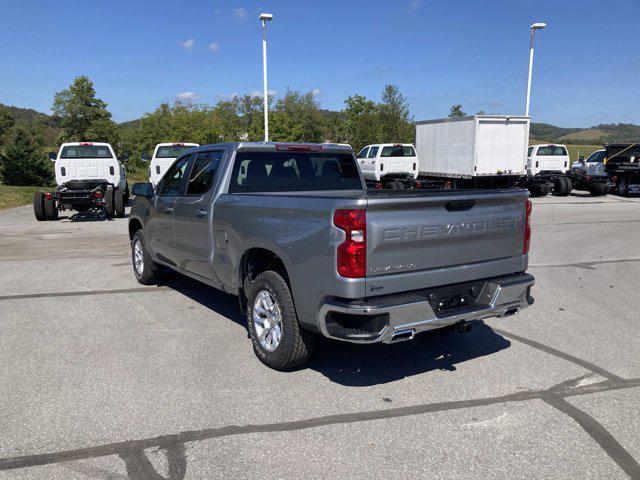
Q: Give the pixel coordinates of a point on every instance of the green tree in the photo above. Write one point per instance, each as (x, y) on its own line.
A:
(6, 122)
(396, 126)
(296, 117)
(78, 109)
(456, 111)
(362, 121)
(23, 162)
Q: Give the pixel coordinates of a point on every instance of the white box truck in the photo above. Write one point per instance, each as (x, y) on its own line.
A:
(484, 151)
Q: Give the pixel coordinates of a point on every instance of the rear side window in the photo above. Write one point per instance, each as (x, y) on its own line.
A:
(551, 150)
(530, 151)
(373, 152)
(293, 171)
(203, 172)
(86, 151)
(172, 180)
(398, 151)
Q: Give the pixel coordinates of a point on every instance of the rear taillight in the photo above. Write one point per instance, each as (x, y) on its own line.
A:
(98, 194)
(527, 227)
(48, 195)
(352, 253)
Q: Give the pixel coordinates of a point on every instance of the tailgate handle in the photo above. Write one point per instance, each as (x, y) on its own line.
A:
(460, 205)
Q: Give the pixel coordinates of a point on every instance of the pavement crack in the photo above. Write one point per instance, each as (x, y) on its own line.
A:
(560, 354)
(601, 435)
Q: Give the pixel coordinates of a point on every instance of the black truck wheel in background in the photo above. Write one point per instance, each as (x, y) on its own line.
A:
(119, 203)
(38, 206)
(50, 208)
(560, 187)
(109, 200)
(569, 183)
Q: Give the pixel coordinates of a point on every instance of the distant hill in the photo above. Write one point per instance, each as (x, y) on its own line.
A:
(45, 125)
(596, 135)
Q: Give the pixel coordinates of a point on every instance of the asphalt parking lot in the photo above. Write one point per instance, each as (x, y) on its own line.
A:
(103, 378)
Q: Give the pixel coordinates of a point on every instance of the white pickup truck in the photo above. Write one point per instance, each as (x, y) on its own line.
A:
(163, 157)
(89, 177)
(390, 165)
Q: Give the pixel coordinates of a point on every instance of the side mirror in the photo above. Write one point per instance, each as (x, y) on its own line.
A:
(144, 157)
(52, 156)
(143, 190)
(124, 157)
(581, 159)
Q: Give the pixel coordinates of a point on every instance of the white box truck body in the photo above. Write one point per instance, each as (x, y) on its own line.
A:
(474, 146)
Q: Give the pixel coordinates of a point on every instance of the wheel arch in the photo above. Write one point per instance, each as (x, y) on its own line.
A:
(253, 262)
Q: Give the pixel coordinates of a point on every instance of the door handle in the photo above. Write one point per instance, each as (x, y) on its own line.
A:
(202, 212)
(168, 210)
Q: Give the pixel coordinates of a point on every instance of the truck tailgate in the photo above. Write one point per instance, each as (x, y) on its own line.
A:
(420, 239)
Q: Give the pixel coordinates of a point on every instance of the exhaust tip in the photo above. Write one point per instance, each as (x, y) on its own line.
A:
(403, 335)
(511, 311)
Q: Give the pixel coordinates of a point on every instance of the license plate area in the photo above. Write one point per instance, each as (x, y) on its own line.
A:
(457, 298)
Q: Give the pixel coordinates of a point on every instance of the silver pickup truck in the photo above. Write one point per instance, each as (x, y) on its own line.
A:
(292, 231)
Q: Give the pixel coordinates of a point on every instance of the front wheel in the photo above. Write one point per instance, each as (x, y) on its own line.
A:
(109, 203)
(118, 201)
(278, 340)
(38, 206)
(144, 268)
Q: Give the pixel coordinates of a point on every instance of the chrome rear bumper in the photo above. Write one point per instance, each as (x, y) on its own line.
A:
(399, 317)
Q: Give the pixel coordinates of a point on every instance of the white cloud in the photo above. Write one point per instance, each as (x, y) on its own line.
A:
(232, 96)
(214, 47)
(258, 93)
(188, 44)
(240, 14)
(188, 96)
(414, 5)
(315, 92)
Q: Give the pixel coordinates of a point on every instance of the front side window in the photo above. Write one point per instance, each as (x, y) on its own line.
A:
(363, 152)
(293, 171)
(530, 151)
(373, 152)
(86, 151)
(170, 183)
(398, 151)
(596, 157)
(203, 172)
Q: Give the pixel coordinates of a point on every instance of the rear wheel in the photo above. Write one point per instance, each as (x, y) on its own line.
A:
(560, 187)
(144, 268)
(278, 340)
(38, 206)
(119, 203)
(50, 208)
(109, 200)
(569, 184)
(622, 189)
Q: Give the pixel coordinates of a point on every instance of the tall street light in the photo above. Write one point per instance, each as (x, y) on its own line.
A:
(264, 18)
(534, 27)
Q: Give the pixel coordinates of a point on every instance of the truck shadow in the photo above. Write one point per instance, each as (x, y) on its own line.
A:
(89, 217)
(356, 365)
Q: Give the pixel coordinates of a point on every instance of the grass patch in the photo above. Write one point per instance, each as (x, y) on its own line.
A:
(11, 196)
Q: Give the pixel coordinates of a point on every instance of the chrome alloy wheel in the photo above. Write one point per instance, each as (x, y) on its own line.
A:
(138, 258)
(267, 320)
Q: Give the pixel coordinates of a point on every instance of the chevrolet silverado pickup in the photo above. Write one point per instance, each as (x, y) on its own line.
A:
(292, 230)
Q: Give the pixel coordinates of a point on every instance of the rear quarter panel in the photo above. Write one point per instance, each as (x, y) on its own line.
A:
(299, 230)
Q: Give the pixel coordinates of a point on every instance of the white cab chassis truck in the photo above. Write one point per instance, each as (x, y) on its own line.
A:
(163, 157)
(389, 165)
(89, 177)
(482, 151)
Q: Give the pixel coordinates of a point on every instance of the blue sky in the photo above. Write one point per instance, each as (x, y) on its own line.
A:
(139, 54)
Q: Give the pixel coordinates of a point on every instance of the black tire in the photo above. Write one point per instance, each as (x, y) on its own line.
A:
(50, 209)
(391, 186)
(559, 187)
(126, 193)
(296, 344)
(622, 188)
(38, 206)
(545, 188)
(569, 185)
(400, 185)
(149, 273)
(119, 203)
(598, 190)
(109, 207)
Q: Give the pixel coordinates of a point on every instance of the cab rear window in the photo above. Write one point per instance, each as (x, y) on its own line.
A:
(398, 151)
(172, 151)
(293, 172)
(85, 151)
(552, 150)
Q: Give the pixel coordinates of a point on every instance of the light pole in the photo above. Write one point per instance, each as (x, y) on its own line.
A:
(534, 27)
(264, 18)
